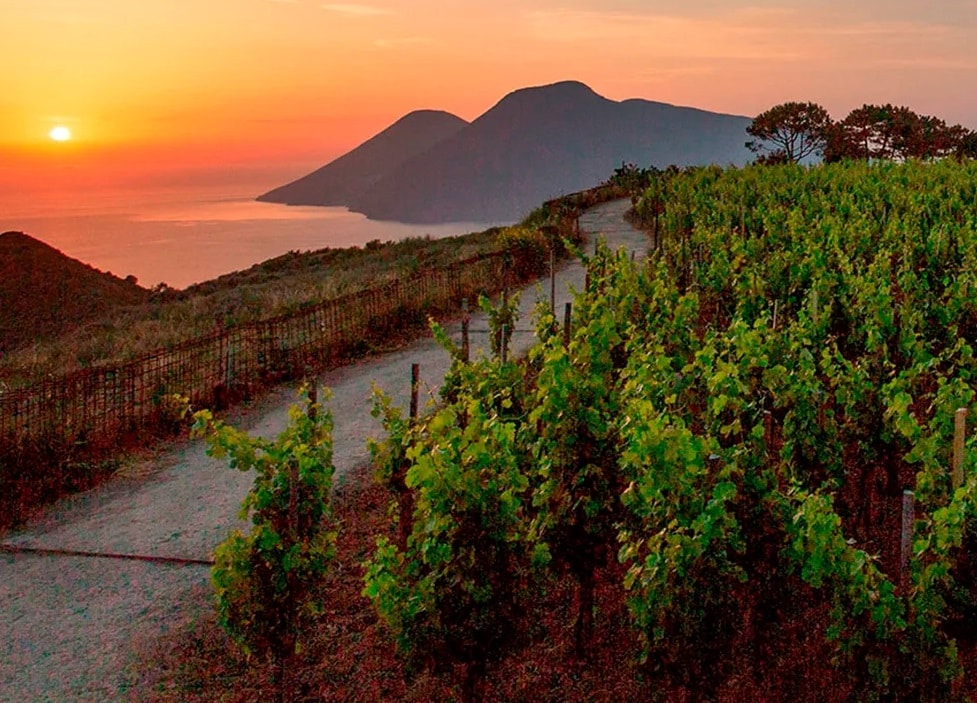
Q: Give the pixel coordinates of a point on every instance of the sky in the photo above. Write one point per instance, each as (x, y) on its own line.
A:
(261, 91)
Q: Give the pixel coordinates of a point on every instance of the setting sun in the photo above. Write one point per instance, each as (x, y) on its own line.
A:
(60, 133)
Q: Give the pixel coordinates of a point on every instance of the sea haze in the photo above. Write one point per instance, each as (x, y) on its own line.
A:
(181, 236)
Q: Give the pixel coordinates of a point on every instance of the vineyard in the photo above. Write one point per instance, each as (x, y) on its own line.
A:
(737, 469)
(750, 434)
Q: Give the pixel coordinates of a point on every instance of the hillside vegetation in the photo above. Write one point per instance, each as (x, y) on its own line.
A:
(732, 478)
(44, 293)
(102, 330)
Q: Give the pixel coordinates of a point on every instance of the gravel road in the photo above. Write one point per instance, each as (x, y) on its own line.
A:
(68, 623)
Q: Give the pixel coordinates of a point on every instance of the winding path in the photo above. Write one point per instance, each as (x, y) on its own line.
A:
(68, 624)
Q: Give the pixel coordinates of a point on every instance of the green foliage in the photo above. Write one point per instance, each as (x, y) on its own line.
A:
(740, 414)
(453, 593)
(575, 449)
(501, 320)
(264, 581)
(831, 302)
(632, 179)
(389, 455)
(451, 590)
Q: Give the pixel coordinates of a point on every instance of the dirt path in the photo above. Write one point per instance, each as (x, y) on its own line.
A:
(69, 623)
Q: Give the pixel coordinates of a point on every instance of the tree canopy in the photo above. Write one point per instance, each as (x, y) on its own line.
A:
(889, 132)
(790, 131)
(793, 131)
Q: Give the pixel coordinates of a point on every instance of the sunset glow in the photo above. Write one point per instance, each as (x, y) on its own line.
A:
(60, 133)
(272, 88)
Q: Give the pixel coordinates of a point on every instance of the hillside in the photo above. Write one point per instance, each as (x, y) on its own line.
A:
(44, 293)
(341, 180)
(537, 143)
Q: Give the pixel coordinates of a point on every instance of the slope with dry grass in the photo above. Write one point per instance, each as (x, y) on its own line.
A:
(45, 294)
(58, 315)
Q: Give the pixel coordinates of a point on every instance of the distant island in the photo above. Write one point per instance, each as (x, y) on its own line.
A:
(535, 144)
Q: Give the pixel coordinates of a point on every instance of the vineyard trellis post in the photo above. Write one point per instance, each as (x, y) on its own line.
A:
(415, 372)
(567, 316)
(553, 278)
(465, 322)
(405, 501)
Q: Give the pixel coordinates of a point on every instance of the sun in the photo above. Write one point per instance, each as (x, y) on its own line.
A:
(60, 133)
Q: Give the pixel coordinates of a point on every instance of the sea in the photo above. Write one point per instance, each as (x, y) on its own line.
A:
(184, 235)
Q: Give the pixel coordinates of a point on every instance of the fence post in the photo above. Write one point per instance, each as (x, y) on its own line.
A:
(553, 279)
(567, 312)
(503, 343)
(465, 321)
(415, 372)
(959, 434)
(405, 500)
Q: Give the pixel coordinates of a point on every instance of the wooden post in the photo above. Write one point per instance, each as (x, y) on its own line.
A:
(415, 373)
(908, 517)
(503, 346)
(959, 434)
(775, 315)
(553, 280)
(465, 323)
(567, 312)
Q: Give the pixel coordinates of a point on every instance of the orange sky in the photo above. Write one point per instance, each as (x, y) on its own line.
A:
(258, 91)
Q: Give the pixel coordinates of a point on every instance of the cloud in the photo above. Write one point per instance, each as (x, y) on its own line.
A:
(358, 10)
(400, 41)
(744, 34)
(886, 30)
(829, 35)
(929, 64)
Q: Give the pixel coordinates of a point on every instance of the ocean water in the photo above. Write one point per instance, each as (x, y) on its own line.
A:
(181, 236)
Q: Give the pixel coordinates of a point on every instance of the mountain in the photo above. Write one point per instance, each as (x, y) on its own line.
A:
(44, 293)
(538, 143)
(339, 181)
